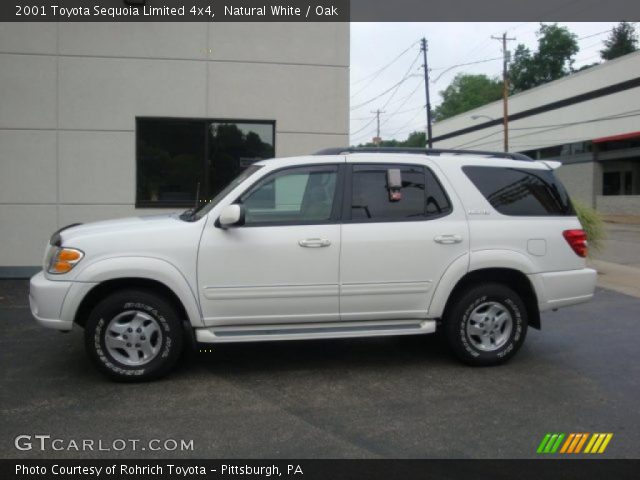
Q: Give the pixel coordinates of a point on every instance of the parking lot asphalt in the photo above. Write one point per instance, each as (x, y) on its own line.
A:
(402, 397)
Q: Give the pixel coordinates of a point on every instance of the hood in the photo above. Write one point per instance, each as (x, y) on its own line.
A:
(120, 226)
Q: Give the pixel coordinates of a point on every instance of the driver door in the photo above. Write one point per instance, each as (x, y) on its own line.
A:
(282, 265)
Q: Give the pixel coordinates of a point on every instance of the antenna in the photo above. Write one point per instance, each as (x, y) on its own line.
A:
(197, 197)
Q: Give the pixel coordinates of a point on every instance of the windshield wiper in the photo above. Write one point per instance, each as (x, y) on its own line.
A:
(189, 214)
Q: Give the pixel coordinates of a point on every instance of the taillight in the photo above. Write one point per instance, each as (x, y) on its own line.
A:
(577, 240)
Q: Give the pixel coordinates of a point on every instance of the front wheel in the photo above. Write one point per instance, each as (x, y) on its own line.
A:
(133, 335)
(486, 325)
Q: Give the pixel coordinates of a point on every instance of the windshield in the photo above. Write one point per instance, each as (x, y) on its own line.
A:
(207, 205)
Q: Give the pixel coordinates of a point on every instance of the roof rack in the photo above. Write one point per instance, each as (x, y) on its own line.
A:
(426, 151)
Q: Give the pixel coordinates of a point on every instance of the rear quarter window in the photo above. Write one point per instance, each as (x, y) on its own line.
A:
(521, 191)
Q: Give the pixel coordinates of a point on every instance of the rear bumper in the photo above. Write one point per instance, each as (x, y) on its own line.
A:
(46, 299)
(561, 289)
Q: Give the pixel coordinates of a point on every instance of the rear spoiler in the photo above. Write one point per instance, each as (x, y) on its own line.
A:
(551, 164)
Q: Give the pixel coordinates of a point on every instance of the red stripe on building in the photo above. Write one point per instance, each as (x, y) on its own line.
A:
(612, 138)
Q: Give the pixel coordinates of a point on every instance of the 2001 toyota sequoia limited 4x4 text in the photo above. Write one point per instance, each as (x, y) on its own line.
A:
(344, 243)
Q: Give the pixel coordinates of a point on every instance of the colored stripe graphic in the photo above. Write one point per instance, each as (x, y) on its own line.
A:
(543, 443)
(594, 437)
(567, 443)
(572, 443)
(581, 443)
(550, 443)
(607, 439)
(598, 443)
(556, 445)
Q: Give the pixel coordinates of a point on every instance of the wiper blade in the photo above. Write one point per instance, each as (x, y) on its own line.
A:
(187, 214)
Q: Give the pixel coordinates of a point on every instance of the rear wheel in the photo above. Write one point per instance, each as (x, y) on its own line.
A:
(486, 325)
(134, 335)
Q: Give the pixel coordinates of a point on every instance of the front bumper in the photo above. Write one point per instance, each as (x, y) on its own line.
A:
(46, 299)
(561, 289)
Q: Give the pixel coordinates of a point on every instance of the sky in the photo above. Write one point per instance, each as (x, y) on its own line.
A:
(375, 45)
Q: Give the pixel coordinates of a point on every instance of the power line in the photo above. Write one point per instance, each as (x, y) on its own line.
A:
(447, 69)
(600, 33)
(364, 127)
(364, 136)
(375, 74)
(405, 125)
(405, 111)
(406, 75)
(392, 114)
(398, 111)
(381, 94)
(406, 97)
(395, 88)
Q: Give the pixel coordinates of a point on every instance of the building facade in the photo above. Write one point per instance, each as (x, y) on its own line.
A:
(589, 120)
(106, 120)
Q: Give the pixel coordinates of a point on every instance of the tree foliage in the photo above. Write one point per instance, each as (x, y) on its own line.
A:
(553, 60)
(621, 41)
(467, 92)
(415, 139)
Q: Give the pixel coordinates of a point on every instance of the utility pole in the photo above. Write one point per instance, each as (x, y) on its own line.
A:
(377, 138)
(505, 87)
(423, 49)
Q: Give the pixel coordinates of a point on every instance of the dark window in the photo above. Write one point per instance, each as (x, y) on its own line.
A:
(611, 183)
(420, 196)
(296, 195)
(617, 183)
(526, 192)
(628, 183)
(175, 155)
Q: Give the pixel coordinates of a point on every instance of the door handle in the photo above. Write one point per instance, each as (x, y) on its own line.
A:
(447, 239)
(314, 242)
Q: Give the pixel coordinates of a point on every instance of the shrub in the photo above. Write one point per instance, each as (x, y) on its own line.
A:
(592, 224)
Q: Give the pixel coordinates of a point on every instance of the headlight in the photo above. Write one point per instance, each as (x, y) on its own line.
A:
(64, 259)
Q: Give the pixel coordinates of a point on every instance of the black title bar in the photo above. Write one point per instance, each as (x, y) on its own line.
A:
(317, 10)
(175, 11)
(582, 469)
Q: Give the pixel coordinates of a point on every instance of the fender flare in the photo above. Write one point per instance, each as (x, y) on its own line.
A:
(149, 268)
(476, 260)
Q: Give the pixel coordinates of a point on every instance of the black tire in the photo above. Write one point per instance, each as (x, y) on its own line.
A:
(160, 316)
(479, 299)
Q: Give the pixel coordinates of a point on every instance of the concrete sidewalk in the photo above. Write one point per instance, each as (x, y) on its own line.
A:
(621, 278)
(618, 264)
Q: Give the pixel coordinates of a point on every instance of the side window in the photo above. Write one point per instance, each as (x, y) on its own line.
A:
(521, 192)
(296, 195)
(437, 201)
(419, 195)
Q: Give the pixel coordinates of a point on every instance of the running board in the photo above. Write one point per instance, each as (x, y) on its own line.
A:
(307, 331)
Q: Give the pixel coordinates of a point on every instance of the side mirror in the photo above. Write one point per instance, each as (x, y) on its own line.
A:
(231, 216)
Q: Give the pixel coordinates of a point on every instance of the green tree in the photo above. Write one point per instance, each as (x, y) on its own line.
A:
(415, 139)
(622, 40)
(467, 92)
(553, 60)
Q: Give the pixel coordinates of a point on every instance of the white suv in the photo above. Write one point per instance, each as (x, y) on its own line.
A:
(344, 243)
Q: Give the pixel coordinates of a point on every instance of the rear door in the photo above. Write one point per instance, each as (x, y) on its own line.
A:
(396, 242)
